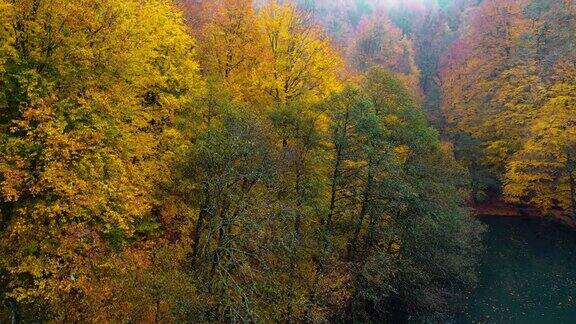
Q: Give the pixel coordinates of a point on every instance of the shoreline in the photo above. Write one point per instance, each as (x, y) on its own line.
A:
(499, 208)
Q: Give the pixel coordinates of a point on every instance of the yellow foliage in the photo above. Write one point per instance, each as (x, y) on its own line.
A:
(541, 172)
(233, 49)
(268, 56)
(302, 64)
(402, 153)
(6, 37)
(100, 84)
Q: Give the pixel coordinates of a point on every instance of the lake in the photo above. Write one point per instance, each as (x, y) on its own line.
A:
(528, 274)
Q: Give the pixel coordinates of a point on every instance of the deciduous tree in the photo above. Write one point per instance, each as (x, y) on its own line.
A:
(88, 102)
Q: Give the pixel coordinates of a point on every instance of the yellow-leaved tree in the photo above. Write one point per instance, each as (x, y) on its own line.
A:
(269, 56)
(543, 171)
(6, 38)
(232, 49)
(302, 66)
(89, 99)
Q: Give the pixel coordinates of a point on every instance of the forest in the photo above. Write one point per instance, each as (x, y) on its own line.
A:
(298, 161)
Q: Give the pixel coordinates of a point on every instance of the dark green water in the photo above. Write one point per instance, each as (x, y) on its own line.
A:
(528, 274)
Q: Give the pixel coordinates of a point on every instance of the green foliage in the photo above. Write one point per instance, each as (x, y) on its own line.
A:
(419, 235)
(131, 190)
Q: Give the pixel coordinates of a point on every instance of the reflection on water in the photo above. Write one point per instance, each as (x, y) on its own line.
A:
(528, 274)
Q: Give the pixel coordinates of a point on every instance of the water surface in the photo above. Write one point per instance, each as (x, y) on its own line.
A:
(528, 274)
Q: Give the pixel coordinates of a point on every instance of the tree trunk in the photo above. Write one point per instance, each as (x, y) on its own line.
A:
(296, 244)
(14, 312)
(335, 176)
(298, 219)
(157, 315)
(222, 233)
(369, 242)
(363, 212)
(572, 181)
(313, 293)
(337, 165)
(204, 211)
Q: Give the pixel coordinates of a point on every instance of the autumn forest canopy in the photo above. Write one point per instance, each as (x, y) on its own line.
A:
(179, 161)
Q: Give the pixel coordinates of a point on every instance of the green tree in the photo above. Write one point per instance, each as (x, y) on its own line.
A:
(406, 190)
